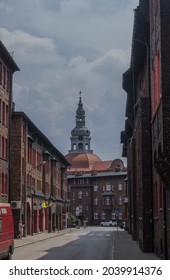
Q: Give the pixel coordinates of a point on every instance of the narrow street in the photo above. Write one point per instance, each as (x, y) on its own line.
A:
(80, 244)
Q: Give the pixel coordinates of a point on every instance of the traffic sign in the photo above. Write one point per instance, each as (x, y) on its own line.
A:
(116, 211)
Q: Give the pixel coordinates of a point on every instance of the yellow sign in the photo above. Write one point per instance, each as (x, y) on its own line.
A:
(44, 205)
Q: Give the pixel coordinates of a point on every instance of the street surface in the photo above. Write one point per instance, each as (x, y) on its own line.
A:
(92, 243)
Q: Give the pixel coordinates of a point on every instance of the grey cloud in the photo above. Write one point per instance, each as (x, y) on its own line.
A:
(65, 46)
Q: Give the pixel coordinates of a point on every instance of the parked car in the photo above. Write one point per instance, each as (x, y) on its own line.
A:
(108, 224)
(6, 232)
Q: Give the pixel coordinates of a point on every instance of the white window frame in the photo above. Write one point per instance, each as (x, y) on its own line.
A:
(120, 187)
(95, 188)
(80, 194)
(108, 187)
(96, 216)
(120, 215)
(80, 208)
(113, 216)
(95, 201)
(107, 200)
(120, 200)
(103, 216)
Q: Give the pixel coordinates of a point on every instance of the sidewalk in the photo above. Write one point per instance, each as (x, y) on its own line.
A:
(128, 249)
(39, 237)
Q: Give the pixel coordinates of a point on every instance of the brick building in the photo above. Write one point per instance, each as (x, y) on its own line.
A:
(96, 188)
(146, 137)
(38, 190)
(7, 69)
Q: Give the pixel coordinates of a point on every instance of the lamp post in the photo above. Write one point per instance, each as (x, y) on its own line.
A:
(49, 213)
(32, 211)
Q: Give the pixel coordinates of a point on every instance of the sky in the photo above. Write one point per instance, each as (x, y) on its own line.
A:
(62, 47)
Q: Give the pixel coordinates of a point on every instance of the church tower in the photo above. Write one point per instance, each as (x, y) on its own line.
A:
(80, 135)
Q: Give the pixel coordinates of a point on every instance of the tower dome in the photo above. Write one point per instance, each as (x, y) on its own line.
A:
(80, 135)
(80, 156)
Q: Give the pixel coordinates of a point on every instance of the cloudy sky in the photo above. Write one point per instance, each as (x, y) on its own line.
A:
(62, 47)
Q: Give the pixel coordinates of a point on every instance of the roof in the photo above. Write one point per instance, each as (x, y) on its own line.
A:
(8, 58)
(82, 161)
(50, 148)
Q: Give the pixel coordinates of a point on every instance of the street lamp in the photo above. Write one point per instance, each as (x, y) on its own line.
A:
(49, 213)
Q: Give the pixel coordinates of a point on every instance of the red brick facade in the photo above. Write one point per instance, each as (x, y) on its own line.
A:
(38, 178)
(97, 194)
(146, 145)
(7, 68)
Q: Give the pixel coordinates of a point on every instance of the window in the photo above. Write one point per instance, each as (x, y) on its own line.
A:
(103, 216)
(87, 181)
(108, 187)
(120, 187)
(80, 146)
(87, 194)
(6, 184)
(81, 181)
(3, 147)
(74, 146)
(80, 208)
(80, 194)
(3, 184)
(96, 201)
(96, 215)
(107, 201)
(6, 149)
(86, 146)
(87, 208)
(113, 201)
(95, 188)
(120, 200)
(113, 216)
(6, 116)
(120, 216)
(3, 112)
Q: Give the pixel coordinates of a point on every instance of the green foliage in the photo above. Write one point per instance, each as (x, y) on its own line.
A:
(72, 219)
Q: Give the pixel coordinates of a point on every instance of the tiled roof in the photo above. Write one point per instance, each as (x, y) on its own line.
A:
(82, 161)
(102, 166)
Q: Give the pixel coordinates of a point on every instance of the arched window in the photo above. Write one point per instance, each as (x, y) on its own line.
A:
(87, 146)
(74, 146)
(80, 146)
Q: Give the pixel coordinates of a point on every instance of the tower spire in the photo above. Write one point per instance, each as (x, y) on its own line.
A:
(80, 135)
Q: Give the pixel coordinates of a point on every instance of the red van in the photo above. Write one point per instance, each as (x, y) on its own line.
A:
(6, 232)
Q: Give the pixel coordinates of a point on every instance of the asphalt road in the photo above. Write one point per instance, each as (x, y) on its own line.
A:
(83, 244)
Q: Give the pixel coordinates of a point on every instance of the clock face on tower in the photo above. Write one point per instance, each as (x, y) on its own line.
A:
(80, 137)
